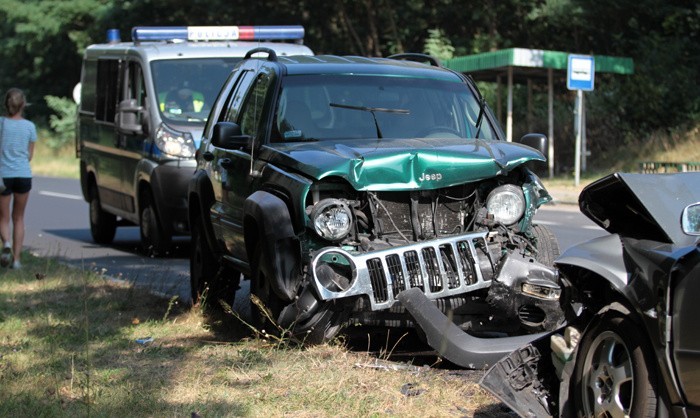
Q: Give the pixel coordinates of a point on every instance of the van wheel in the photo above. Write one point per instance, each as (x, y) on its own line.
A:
(103, 225)
(154, 240)
(209, 282)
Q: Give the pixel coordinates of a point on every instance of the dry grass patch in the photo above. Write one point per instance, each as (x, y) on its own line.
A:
(68, 347)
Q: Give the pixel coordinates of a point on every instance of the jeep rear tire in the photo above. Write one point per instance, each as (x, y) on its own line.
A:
(210, 282)
(103, 225)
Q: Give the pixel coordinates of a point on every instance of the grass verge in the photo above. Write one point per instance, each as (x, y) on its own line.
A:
(72, 344)
(49, 162)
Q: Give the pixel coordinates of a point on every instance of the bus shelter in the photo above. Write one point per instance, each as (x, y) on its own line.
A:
(523, 66)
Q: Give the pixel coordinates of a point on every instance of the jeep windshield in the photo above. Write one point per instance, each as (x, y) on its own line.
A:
(186, 88)
(336, 107)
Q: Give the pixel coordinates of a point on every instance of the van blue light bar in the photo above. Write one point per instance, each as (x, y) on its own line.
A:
(217, 33)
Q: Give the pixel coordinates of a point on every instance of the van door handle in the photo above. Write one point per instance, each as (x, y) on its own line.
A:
(226, 163)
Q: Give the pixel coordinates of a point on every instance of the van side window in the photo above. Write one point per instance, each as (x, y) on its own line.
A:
(107, 95)
(87, 89)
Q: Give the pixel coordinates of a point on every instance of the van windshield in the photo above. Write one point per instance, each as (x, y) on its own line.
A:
(186, 88)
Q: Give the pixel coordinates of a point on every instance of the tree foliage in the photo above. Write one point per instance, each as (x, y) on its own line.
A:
(43, 41)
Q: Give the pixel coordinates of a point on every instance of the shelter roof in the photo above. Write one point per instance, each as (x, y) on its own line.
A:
(529, 62)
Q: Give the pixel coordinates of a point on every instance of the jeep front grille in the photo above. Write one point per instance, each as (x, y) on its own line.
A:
(441, 268)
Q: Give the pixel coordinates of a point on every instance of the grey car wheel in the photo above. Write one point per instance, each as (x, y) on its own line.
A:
(613, 376)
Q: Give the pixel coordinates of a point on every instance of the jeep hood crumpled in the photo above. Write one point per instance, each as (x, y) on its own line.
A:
(402, 164)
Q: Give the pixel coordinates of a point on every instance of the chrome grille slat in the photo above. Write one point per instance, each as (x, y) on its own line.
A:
(382, 275)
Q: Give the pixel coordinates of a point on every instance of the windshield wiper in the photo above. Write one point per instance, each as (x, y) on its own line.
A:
(372, 110)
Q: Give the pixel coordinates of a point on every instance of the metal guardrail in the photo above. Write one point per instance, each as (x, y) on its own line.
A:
(654, 167)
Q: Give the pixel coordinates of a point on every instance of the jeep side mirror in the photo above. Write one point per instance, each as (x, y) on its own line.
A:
(536, 141)
(228, 135)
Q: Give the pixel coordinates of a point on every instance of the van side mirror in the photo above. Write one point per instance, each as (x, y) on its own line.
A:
(536, 141)
(228, 135)
(128, 117)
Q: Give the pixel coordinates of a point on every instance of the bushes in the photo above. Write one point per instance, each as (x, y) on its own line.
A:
(62, 121)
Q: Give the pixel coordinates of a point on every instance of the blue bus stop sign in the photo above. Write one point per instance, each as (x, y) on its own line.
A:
(580, 74)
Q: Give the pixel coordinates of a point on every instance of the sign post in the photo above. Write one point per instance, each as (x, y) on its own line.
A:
(580, 76)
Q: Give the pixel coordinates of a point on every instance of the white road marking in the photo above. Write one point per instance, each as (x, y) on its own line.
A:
(61, 195)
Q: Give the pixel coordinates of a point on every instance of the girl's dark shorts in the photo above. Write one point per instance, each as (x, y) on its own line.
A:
(16, 185)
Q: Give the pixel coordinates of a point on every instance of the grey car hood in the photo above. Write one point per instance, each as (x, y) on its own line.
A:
(642, 206)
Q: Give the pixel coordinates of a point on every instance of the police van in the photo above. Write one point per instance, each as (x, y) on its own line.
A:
(142, 107)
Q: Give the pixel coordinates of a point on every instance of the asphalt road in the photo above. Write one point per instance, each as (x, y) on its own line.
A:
(58, 225)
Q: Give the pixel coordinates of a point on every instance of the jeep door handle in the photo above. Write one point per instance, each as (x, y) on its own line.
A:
(226, 163)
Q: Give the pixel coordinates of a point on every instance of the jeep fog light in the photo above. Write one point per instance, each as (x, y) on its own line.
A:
(332, 219)
(506, 203)
(174, 143)
(541, 292)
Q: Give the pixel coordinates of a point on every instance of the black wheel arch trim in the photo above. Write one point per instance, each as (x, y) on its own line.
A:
(268, 221)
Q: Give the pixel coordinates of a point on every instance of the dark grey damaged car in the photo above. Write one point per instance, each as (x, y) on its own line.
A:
(631, 345)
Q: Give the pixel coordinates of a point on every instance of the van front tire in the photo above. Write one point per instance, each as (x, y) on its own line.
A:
(154, 240)
(103, 225)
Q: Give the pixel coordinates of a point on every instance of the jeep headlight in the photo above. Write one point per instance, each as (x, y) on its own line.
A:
(174, 143)
(332, 219)
(506, 203)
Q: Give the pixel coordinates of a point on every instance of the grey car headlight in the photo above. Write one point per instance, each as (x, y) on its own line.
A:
(332, 219)
(506, 203)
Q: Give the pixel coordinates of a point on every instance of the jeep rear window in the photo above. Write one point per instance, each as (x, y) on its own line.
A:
(187, 88)
(332, 107)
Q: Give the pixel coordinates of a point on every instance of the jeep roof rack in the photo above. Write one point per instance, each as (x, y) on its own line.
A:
(413, 56)
(217, 33)
(271, 54)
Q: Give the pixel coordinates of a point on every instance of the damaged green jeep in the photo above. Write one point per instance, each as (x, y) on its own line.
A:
(334, 183)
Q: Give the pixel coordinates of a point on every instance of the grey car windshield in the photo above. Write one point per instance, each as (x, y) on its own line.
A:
(186, 88)
(330, 107)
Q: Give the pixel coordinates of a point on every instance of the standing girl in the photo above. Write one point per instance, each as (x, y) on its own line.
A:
(17, 138)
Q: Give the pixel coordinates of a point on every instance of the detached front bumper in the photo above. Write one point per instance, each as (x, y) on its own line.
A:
(454, 344)
(439, 268)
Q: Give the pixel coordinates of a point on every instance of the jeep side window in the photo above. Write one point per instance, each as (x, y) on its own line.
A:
(233, 106)
(222, 111)
(107, 94)
(255, 103)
